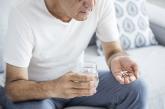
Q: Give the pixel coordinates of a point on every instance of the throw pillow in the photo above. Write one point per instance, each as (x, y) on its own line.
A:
(133, 25)
(159, 32)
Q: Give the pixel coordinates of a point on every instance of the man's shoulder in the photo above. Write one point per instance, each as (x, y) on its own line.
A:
(102, 3)
(21, 4)
(25, 6)
(102, 6)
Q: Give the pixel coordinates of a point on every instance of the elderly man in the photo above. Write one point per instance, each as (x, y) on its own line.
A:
(46, 40)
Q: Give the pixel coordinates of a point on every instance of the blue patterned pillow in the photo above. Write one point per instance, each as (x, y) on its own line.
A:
(133, 25)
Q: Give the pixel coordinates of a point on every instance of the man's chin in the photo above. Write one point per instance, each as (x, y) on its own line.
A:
(82, 18)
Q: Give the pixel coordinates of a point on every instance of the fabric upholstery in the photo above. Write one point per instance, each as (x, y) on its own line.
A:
(133, 25)
(159, 32)
(151, 63)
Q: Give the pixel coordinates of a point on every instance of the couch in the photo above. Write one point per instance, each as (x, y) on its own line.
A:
(150, 59)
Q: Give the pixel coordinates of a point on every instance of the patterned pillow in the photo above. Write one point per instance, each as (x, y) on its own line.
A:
(133, 25)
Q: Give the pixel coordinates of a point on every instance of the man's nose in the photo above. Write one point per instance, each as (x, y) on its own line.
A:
(89, 3)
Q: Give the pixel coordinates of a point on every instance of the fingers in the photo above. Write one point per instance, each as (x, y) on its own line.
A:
(125, 77)
(132, 77)
(125, 70)
(126, 80)
(119, 78)
(83, 85)
(81, 77)
(76, 85)
(136, 70)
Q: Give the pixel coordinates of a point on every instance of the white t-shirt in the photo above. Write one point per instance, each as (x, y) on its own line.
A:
(49, 47)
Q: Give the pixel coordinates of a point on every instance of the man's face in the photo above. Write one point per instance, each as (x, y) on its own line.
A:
(77, 9)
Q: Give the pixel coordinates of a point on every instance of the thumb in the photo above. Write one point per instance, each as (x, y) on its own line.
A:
(136, 70)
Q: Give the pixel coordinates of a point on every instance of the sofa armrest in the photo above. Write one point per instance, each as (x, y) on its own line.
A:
(156, 13)
(156, 16)
(159, 32)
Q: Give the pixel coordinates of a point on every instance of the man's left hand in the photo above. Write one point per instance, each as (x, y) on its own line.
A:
(124, 69)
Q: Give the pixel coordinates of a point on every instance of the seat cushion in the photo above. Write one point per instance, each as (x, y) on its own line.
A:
(150, 59)
(151, 62)
(83, 107)
(152, 67)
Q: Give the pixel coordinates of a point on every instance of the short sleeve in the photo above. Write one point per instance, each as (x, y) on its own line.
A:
(107, 30)
(18, 41)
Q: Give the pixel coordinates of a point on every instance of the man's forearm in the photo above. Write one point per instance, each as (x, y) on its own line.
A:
(23, 90)
(119, 53)
(111, 50)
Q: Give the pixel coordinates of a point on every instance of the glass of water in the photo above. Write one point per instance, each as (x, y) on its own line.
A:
(89, 68)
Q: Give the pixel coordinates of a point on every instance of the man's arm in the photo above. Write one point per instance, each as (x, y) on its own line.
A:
(124, 69)
(111, 48)
(19, 88)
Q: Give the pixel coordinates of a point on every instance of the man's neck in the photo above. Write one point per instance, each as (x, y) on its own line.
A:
(54, 8)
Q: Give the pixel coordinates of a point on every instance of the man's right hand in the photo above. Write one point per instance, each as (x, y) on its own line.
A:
(75, 84)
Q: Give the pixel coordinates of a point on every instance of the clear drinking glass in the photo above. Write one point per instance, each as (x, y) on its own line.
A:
(89, 68)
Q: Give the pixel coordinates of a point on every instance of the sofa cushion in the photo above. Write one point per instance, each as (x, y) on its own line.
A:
(152, 67)
(150, 60)
(159, 32)
(159, 12)
(83, 107)
(133, 25)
